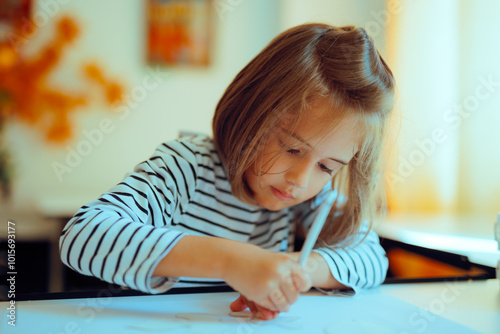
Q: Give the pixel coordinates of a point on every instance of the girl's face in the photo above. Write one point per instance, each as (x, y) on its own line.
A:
(309, 161)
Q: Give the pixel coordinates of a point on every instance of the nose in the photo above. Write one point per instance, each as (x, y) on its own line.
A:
(300, 173)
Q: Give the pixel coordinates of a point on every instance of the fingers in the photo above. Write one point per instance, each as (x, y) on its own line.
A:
(279, 300)
(282, 297)
(291, 288)
(258, 311)
(238, 305)
(264, 313)
(274, 283)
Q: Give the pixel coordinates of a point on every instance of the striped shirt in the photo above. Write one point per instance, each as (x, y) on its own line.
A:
(183, 190)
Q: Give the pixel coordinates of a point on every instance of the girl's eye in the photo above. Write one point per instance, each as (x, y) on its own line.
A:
(291, 151)
(325, 169)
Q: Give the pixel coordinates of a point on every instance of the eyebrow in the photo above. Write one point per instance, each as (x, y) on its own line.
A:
(296, 136)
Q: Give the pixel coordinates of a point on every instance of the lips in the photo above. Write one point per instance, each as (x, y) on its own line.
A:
(284, 196)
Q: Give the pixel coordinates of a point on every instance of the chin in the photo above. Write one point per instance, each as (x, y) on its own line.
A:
(276, 206)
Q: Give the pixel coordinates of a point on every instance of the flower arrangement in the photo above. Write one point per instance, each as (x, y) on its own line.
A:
(27, 96)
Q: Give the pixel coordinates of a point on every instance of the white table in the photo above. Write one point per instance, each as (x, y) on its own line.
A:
(445, 307)
(475, 304)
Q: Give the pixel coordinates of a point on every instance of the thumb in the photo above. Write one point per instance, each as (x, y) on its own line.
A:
(238, 305)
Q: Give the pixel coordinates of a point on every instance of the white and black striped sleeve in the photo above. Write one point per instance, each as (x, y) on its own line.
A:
(359, 266)
(121, 237)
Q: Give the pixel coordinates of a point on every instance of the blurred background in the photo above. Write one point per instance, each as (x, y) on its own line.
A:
(89, 88)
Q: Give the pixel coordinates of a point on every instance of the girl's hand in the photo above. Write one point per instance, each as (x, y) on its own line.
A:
(258, 311)
(270, 280)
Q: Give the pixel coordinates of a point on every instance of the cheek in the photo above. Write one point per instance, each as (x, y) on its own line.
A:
(318, 185)
(257, 182)
(276, 163)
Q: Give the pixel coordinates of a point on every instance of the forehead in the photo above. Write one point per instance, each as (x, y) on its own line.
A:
(330, 134)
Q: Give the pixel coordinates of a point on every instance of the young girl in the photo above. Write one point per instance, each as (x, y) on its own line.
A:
(305, 117)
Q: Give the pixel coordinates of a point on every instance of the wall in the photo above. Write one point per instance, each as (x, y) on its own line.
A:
(426, 67)
(370, 14)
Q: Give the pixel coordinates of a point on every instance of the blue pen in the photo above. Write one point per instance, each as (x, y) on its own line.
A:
(316, 227)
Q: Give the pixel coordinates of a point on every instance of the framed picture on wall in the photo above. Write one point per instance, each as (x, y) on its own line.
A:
(179, 32)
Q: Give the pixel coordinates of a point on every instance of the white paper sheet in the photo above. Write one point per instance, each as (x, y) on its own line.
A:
(371, 312)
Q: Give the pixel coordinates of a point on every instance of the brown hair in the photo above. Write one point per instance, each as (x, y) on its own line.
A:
(299, 66)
